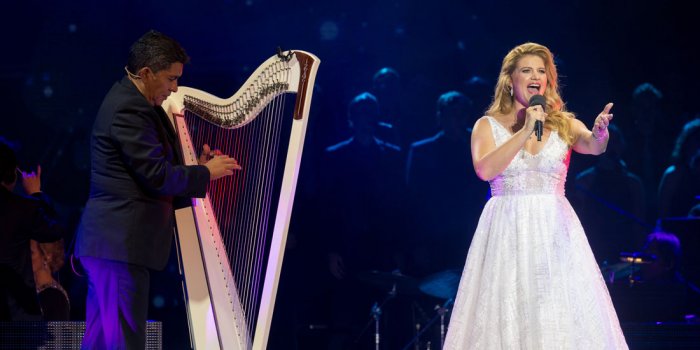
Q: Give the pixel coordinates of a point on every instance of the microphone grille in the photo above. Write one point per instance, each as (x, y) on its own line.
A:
(538, 100)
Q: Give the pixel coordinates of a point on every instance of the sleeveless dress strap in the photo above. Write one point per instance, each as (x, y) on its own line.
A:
(500, 134)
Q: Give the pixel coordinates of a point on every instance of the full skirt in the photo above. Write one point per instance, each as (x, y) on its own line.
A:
(531, 282)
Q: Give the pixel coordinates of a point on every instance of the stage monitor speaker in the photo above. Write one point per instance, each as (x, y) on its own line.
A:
(60, 335)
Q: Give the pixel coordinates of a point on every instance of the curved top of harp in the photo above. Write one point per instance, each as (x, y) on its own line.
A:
(292, 72)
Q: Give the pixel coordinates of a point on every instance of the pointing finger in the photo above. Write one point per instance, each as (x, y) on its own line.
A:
(607, 108)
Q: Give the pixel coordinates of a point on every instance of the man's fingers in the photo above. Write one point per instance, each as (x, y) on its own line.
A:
(230, 163)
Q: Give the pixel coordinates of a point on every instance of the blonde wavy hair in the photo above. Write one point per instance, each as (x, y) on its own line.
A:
(503, 103)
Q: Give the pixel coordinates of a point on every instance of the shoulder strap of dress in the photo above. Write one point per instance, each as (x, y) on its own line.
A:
(500, 134)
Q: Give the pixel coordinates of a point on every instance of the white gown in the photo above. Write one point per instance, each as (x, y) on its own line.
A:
(530, 280)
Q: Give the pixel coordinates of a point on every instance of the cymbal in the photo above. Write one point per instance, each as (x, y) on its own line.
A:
(442, 285)
(390, 280)
(637, 257)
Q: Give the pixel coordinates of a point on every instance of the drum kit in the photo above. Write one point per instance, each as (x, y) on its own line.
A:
(442, 285)
(628, 266)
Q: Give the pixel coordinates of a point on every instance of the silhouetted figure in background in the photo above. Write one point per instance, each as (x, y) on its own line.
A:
(650, 137)
(21, 220)
(386, 87)
(480, 91)
(680, 184)
(658, 290)
(360, 219)
(611, 202)
(445, 193)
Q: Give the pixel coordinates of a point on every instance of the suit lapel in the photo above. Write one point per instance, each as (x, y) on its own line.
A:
(170, 135)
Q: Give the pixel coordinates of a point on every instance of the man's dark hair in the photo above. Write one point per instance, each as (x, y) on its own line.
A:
(8, 163)
(682, 151)
(156, 51)
(386, 73)
(363, 105)
(453, 104)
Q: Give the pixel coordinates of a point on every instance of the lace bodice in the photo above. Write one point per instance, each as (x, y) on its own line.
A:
(541, 173)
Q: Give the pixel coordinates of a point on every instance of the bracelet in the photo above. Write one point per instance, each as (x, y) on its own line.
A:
(600, 138)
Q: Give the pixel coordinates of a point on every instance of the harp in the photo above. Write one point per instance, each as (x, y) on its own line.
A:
(231, 243)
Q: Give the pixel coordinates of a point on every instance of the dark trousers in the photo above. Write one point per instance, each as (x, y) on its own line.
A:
(18, 301)
(117, 304)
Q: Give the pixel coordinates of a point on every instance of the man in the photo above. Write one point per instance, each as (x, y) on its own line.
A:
(137, 180)
(360, 219)
(444, 192)
(21, 219)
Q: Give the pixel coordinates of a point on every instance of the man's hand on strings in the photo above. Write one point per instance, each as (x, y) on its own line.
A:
(219, 164)
(207, 154)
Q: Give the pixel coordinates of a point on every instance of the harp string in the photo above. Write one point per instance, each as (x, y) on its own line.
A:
(245, 228)
(272, 143)
(265, 192)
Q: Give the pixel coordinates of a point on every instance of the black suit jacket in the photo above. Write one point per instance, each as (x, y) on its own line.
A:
(136, 177)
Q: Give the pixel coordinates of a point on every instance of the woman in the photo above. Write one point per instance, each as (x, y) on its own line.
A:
(530, 280)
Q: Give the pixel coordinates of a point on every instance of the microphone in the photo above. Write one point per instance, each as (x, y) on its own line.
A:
(534, 101)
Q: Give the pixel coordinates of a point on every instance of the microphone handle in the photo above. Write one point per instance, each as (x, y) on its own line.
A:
(538, 129)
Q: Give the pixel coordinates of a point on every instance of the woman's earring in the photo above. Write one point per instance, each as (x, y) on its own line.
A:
(510, 90)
